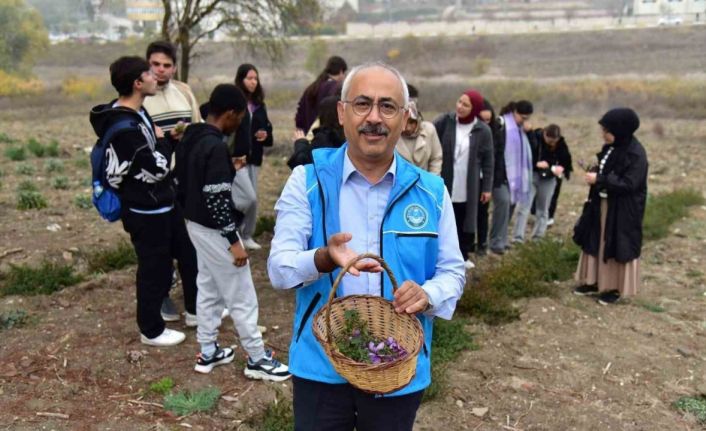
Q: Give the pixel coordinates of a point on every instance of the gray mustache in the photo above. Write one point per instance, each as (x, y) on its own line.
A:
(376, 129)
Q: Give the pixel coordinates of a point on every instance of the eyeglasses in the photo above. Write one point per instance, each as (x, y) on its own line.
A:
(362, 106)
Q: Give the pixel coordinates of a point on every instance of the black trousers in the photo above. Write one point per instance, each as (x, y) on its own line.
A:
(158, 239)
(325, 407)
(481, 242)
(465, 239)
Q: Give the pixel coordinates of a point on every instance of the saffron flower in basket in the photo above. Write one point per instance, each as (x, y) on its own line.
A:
(356, 343)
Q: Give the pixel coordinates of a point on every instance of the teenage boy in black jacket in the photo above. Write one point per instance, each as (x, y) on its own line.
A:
(204, 174)
(138, 169)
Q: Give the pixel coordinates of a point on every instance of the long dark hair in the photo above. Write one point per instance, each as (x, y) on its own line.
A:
(258, 96)
(523, 107)
(334, 66)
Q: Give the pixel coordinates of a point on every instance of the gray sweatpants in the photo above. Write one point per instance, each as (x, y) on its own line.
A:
(220, 283)
(501, 218)
(542, 189)
(244, 193)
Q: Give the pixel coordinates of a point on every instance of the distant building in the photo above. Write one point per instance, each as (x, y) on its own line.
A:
(338, 4)
(669, 7)
(144, 10)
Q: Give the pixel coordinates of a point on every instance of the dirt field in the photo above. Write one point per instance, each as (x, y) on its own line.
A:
(567, 364)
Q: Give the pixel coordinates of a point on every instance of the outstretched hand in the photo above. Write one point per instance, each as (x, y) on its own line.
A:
(341, 255)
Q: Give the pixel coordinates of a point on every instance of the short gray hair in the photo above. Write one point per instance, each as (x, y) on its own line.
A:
(372, 65)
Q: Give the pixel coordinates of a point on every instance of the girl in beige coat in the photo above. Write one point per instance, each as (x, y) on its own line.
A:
(419, 144)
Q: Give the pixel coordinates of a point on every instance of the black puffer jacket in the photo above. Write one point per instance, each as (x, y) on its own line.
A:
(624, 180)
(560, 155)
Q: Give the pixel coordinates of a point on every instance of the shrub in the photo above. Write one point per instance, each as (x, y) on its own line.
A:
(162, 386)
(11, 85)
(52, 148)
(16, 154)
(185, 402)
(487, 304)
(278, 416)
(35, 147)
(5, 138)
(12, 319)
(525, 273)
(112, 259)
(81, 87)
(27, 186)
(663, 210)
(693, 405)
(49, 277)
(30, 200)
(83, 202)
(60, 182)
(54, 165)
(24, 169)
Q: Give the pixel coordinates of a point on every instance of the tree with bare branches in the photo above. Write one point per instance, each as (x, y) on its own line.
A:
(261, 22)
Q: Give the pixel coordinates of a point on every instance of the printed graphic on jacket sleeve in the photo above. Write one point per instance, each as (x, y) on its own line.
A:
(114, 170)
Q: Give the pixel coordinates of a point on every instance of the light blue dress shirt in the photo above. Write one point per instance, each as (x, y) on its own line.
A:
(291, 263)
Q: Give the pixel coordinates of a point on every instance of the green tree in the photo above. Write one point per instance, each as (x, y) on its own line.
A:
(22, 35)
(257, 22)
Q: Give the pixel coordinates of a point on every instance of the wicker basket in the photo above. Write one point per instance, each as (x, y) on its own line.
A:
(383, 321)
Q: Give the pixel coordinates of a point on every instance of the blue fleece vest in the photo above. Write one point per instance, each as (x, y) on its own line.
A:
(409, 243)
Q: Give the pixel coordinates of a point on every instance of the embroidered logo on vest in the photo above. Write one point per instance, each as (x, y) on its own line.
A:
(415, 216)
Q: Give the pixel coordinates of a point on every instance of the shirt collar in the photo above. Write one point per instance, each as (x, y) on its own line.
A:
(349, 170)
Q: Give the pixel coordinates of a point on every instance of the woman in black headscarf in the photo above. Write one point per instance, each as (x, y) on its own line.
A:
(610, 228)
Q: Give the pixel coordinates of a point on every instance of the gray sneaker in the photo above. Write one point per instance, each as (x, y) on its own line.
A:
(169, 311)
(267, 368)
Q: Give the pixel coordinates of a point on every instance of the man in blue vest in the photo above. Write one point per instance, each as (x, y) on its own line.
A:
(364, 197)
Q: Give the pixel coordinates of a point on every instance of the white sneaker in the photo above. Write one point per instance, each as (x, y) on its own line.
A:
(190, 320)
(550, 222)
(250, 244)
(169, 337)
(262, 329)
(468, 264)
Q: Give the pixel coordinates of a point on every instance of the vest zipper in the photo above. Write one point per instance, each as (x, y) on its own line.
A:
(387, 210)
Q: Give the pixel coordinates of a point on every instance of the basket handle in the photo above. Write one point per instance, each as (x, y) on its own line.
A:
(340, 276)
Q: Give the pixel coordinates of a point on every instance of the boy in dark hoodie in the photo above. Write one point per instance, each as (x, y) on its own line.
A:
(138, 169)
(204, 174)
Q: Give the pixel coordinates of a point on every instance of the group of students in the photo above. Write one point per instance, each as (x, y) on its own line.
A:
(182, 200)
(483, 157)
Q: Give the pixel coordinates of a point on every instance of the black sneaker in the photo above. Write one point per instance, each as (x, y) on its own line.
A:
(267, 368)
(610, 297)
(586, 289)
(221, 357)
